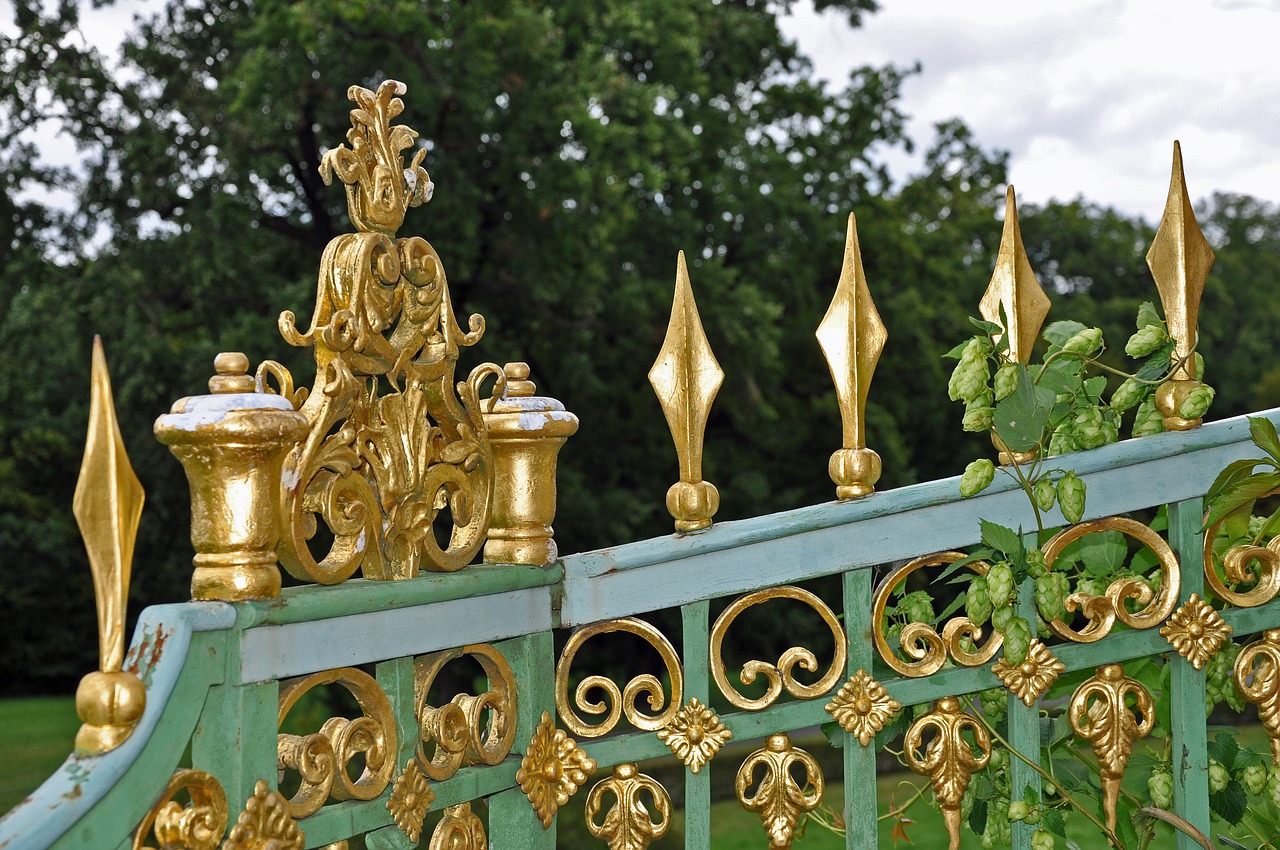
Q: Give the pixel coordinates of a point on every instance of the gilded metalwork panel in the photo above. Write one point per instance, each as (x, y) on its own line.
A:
(459, 829)
(695, 734)
(457, 728)
(948, 759)
(553, 768)
(1099, 714)
(411, 799)
(862, 707)
(1196, 631)
(778, 798)
(1257, 675)
(264, 823)
(1014, 289)
(1238, 568)
(198, 825)
(628, 824)
(1030, 680)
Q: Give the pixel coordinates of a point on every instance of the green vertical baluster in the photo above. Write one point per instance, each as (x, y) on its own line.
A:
(860, 804)
(396, 679)
(235, 739)
(1190, 744)
(1024, 730)
(697, 685)
(512, 822)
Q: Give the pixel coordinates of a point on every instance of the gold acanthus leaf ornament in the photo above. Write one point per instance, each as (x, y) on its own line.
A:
(779, 799)
(552, 770)
(862, 707)
(628, 824)
(393, 445)
(1257, 675)
(1099, 713)
(948, 759)
(1196, 631)
(695, 734)
(264, 824)
(199, 825)
(1029, 680)
(459, 829)
(410, 800)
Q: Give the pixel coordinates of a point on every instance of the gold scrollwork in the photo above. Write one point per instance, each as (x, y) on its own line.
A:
(620, 701)
(627, 825)
(695, 734)
(949, 760)
(1237, 569)
(552, 770)
(921, 641)
(459, 829)
(199, 825)
(779, 799)
(862, 707)
(322, 758)
(1103, 611)
(264, 823)
(1196, 631)
(455, 727)
(380, 464)
(781, 675)
(1100, 714)
(1257, 675)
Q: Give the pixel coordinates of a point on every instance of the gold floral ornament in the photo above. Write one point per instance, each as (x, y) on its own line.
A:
(779, 799)
(1180, 259)
(458, 729)
(862, 707)
(852, 336)
(686, 378)
(1103, 611)
(1196, 631)
(695, 734)
(628, 824)
(459, 829)
(949, 760)
(264, 824)
(552, 770)
(1257, 675)
(1100, 714)
(107, 507)
(410, 800)
(1029, 680)
(199, 825)
(394, 445)
(780, 676)
(621, 701)
(1015, 295)
(926, 650)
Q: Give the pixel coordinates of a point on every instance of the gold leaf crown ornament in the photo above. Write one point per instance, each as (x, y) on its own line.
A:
(393, 444)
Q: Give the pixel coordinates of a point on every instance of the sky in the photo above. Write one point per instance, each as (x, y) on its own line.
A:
(1088, 96)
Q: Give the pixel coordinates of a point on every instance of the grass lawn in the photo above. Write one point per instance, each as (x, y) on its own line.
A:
(36, 735)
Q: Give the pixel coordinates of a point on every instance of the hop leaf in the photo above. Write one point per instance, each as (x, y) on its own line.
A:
(1084, 342)
(1148, 315)
(1197, 402)
(1148, 420)
(1071, 497)
(977, 477)
(1129, 394)
(1145, 341)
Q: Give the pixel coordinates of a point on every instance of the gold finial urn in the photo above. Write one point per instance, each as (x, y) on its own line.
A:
(526, 432)
(231, 444)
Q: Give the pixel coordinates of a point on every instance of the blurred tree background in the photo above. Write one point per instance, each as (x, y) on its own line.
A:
(575, 147)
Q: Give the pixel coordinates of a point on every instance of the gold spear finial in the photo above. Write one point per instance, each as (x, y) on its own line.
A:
(1015, 291)
(852, 336)
(1179, 259)
(686, 378)
(107, 507)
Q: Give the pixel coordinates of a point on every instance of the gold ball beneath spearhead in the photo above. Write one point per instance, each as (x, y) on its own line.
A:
(110, 704)
(693, 503)
(855, 472)
(1169, 398)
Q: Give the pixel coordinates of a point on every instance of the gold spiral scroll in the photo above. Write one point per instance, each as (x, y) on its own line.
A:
(620, 701)
(919, 640)
(323, 758)
(459, 829)
(949, 760)
(1103, 611)
(455, 727)
(265, 823)
(1257, 676)
(780, 675)
(198, 825)
(627, 825)
(780, 799)
(1100, 714)
(1236, 569)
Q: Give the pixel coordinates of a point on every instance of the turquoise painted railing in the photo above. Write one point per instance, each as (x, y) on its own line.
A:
(214, 670)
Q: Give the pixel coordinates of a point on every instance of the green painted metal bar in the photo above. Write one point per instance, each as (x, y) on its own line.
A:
(860, 804)
(396, 679)
(1190, 739)
(513, 825)
(695, 622)
(1024, 733)
(235, 739)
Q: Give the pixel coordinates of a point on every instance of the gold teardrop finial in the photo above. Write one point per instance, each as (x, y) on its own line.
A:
(1179, 259)
(852, 336)
(686, 378)
(1015, 288)
(107, 507)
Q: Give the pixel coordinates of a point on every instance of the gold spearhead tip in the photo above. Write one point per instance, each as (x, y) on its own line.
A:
(852, 337)
(1014, 286)
(686, 378)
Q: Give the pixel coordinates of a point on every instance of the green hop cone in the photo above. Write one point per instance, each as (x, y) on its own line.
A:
(1197, 402)
(977, 477)
(1084, 342)
(1000, 584)
(997, 823)
(1042, 839)
(1145, 341)
(1034, 816)
(1087, 428)
(970, 375)
(1043, 494)
(1006, 380)
(978, 418)
(1018, 810)
(1071, 497)
(999, 761)
(1001, 617)
(1051, 596)
(1110, 432)
(1199, 368)
(1036, 564)
(995, 702)
(1017, 640)
(977, 601)
(1160, 789)
(1218, 777)
(1129, 394)
(967, 801)
(1063, 440)
(1254, 779)
(1273, 789)
(917, 606)
(1148, 420)
(1091, 586)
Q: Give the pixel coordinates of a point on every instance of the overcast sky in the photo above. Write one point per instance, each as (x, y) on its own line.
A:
(1088, 95)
